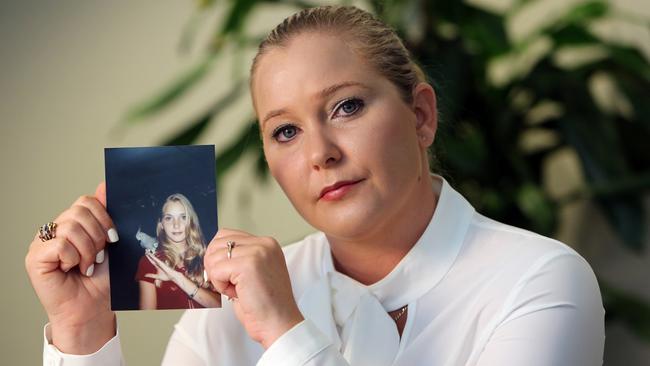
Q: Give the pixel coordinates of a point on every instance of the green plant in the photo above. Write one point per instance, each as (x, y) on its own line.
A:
(487, 119)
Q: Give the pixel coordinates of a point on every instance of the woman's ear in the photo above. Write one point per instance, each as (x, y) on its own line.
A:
(426, 113)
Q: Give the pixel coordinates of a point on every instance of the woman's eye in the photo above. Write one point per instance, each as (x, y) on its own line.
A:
(348, 107)
(285, 133)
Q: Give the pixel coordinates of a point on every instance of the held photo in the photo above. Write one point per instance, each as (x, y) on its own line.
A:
(163, 203)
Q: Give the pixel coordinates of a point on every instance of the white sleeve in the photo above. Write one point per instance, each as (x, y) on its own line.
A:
(554, 317)
(110, 354)
(181, 350)
(302, 345)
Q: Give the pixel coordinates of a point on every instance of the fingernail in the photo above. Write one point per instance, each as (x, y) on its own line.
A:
(112, 235)
(90, 270)
(99, 258)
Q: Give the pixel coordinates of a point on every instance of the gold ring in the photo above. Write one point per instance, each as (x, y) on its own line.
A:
(229, 247)
(47, 231)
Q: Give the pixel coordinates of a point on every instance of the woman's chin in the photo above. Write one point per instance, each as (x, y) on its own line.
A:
(349, 222)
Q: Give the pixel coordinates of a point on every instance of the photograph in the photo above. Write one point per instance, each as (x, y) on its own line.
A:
(163, 202)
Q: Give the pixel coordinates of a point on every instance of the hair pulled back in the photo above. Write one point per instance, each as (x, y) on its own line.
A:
(371, 38)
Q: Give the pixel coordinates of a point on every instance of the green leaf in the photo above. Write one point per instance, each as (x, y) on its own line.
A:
(190, 28)
(485, 32)
(248, 139)
(237, 15)
(539, 210)
(586, 11)
(631, 59)
(627, 216)
(170, 93)
(572, 35)
(570, 29)
(620, 305)
(192, 133)
(261, 167)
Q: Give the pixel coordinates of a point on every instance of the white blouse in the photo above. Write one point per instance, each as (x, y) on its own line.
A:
(479, 292)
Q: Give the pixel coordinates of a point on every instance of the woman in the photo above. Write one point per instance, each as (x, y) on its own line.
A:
(172, 277)
(403, 272)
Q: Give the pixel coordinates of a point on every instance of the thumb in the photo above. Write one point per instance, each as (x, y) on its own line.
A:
(100, 193)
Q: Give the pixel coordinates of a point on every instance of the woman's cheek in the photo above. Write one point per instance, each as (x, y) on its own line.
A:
(293, 176)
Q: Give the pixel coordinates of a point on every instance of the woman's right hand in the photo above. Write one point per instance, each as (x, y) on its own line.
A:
(70, 275)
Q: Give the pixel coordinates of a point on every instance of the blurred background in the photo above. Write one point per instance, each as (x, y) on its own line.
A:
(544, 124)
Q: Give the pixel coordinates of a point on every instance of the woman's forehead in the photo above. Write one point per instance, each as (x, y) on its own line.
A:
(309, 64)
(174, 207)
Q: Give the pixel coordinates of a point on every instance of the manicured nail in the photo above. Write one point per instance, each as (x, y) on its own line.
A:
(90, 270)
(112, 235)
(99, 258)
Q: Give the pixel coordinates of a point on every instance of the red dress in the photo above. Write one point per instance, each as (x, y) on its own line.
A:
(168, 295)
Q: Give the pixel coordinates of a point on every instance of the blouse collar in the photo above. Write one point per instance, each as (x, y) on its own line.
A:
(429, 259)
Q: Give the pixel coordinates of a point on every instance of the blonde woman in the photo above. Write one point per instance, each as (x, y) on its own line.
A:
(172, 277)
(403, 271)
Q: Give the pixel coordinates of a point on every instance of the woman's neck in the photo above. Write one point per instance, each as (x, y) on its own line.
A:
(179, 247)
(371, 258)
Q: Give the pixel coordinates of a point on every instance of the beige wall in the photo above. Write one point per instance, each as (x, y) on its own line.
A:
(68, 71)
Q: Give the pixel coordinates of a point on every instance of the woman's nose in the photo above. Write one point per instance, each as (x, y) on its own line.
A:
(322, 149)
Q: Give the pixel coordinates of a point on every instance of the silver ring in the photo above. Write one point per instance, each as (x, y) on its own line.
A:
(230, 245)
(47, 231)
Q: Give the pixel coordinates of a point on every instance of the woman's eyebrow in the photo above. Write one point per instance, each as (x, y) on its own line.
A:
(334, 88)
(326, 92)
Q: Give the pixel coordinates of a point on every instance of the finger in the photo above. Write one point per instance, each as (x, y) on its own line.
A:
(223, 232)
(220, 246)
(76, 235)
(225, 276)
(148, 256)
(161, 265)
(100, 193)
(155, 260)
(85, 217)
(99, 211)
(219, 259)
(51, 255)
(238, 237)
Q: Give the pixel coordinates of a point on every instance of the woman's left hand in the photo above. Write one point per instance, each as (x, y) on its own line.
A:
(256, 278)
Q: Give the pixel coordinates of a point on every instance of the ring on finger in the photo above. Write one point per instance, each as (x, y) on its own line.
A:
(230, 245)
(47, 231)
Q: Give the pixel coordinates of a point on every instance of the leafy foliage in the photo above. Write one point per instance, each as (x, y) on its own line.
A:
(486, 119)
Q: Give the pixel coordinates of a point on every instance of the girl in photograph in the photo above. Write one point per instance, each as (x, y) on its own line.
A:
(402, 271)
(171, 277)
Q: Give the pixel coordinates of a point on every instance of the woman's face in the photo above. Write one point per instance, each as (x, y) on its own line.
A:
(338, 138)
(175, 221)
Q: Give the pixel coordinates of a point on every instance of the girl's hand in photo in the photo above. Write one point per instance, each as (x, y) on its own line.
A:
(253, 273)
(69, 273)
(165, 272)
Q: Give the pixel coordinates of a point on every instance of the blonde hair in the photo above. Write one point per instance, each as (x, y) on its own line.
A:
(378, 43)
(192, 258)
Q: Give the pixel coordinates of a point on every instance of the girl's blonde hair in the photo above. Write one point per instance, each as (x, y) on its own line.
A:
(192, 259)
(375, 41)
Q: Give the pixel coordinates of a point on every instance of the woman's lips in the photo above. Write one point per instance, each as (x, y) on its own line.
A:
(337, 190)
